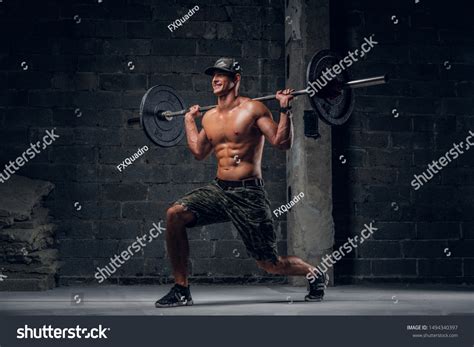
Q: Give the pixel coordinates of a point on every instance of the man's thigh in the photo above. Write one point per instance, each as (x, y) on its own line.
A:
(252, 217)
(208, 204)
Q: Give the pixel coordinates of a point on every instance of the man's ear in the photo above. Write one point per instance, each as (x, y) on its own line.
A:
(237, 84)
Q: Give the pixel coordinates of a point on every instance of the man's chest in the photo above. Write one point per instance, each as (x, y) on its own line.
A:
(230, 127)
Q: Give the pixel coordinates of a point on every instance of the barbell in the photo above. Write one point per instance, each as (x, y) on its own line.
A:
(162, 109)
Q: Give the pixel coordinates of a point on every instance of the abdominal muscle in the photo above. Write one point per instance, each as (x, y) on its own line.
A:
(246, 165)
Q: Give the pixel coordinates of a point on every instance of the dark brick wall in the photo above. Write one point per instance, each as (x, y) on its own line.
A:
(84, 66)
(383, 152)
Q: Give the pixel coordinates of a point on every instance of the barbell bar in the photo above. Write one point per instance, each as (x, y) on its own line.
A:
(361, 83)
(365, 82)
(162, 108)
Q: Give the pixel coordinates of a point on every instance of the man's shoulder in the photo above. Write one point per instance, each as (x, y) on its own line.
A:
(209, 113)
(254, 106)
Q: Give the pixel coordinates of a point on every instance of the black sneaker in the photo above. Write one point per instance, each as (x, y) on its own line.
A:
(316, 289)
(177, 296)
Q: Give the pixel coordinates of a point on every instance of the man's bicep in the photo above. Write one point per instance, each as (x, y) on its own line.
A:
(267, 126)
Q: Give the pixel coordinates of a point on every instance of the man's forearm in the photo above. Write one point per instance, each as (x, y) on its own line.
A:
(284, 135)
(192, 135)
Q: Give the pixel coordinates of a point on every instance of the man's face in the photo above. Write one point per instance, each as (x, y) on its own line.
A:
(222, 84)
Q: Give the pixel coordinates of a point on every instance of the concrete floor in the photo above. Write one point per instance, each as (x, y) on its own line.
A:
(245, 300)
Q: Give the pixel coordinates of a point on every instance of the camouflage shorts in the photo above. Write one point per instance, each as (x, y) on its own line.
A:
(247, 207)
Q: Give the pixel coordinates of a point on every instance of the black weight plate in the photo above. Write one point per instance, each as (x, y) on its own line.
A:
(332, 111)
(163, 132)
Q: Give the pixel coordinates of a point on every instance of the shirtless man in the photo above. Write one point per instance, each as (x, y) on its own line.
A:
(236, 131)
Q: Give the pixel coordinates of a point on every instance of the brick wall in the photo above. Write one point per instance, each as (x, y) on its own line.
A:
(84, 66)
(383, 152)
(78, 55)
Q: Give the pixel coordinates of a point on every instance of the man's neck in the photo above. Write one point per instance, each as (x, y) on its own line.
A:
(227, 102)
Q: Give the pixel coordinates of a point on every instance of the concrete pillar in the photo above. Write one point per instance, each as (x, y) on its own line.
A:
(310, 222)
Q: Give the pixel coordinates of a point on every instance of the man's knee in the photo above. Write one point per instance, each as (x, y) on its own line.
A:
(174, 213)
(177, 214)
